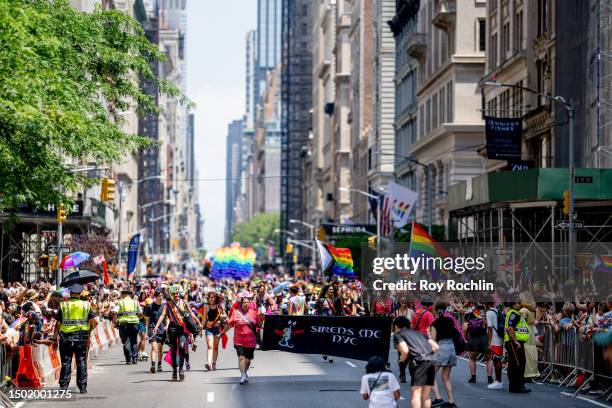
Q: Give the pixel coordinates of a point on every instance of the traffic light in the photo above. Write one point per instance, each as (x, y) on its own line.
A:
(289, 248)
(53, 260)
(566, 202)
(372, 241)
(320, 234)
(61, 213)
(108, 190)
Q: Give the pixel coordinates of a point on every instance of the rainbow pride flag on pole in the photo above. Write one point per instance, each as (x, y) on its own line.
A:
(337, 260)
(604, 264)
(423, 245)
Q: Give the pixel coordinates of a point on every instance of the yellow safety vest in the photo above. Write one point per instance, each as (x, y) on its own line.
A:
(74, 316)
(521, 331)
(128, 309)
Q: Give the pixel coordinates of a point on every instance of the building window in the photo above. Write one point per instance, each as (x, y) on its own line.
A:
(542, 16)
(442, 107)
(505, 40)
(449, 103)
(518, 28)
(493, 4)
(421, 121)
(434, 113)
(428, 115)
(482, 35)
(493, 55)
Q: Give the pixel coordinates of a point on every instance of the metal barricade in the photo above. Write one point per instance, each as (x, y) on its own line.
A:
(544, 338)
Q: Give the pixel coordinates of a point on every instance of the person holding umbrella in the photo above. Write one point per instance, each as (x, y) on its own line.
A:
(127, 317)
(76, 320)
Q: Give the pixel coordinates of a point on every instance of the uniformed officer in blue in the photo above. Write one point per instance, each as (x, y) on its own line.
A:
(76, 320)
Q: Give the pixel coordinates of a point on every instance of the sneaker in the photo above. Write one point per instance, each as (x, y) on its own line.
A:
(402, 378)
(330, 360)
(437, 403)
(152, 369)
(246, 376)
(495, 385)
(181, 375)
(214, 366)
(472, 380)
(187, 366)
(174, 376)
(159, 368)
(207, 366)
(489, 380)
(243, 380)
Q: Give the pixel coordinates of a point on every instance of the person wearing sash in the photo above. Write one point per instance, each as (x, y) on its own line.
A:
(212, 315)
(245, 322)
(174, 309)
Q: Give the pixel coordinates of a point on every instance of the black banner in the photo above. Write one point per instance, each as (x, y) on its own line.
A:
(358, 338)
(335, 230)
(503, 138)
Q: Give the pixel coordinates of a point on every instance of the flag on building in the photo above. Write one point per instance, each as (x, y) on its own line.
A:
(101, 261)
(337, 261)
(402, 200)
(424, 246)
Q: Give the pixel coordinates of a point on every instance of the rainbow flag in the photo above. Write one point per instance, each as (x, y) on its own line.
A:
(337, 260)
(605, 263)
(423, 245)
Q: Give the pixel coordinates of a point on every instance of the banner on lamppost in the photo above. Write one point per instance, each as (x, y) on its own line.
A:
(359, 338)
(503, 138)
(133, 253)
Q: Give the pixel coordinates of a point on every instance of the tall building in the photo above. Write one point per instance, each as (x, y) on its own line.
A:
(268, 41)
(296, 102)
(361, 117)
(450, 126)
(409, 48)
(232, 175)
(381, 146)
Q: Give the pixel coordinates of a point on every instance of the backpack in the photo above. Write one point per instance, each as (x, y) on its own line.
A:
(476, 327)
(500, 324)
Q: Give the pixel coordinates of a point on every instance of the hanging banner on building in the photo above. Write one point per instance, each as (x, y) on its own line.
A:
(503, 138)
(402, 201)
(358, 338)
(133, 253)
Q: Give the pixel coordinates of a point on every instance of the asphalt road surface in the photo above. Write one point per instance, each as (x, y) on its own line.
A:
(277, 379)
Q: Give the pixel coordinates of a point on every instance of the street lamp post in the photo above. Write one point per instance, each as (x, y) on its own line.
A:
(428, 181)
(378, 212)
(569, 107)
(312, 235)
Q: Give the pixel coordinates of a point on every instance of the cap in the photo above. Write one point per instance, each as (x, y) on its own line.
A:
(158, 291)
(427, 300)
(75, 288)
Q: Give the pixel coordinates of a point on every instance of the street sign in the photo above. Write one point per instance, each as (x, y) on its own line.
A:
(53, 250)
(48, 233)
(563, 225)
(583, 179)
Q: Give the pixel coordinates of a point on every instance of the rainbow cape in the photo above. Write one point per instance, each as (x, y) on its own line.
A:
(423, 245)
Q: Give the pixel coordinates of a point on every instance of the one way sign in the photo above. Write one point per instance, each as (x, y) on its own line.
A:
(563, 225)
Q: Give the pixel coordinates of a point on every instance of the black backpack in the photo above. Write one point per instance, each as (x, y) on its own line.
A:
(500, 327)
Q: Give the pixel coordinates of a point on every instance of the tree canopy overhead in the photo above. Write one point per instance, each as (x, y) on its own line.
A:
(257, 231)
(66, 79)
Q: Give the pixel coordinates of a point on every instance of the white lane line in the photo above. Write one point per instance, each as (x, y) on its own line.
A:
(210, 396)
(351, 364)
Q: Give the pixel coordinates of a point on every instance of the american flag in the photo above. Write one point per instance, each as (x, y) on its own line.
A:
(385, 221)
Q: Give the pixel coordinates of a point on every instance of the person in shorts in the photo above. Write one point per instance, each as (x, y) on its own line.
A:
(151, 314)
(443, 332)
(475, 328)
(419, 351)
(496, 345)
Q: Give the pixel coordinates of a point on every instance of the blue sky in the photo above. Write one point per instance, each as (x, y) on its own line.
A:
(216, 32)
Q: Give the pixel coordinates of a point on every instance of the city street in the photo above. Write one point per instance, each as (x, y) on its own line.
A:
(277, 379)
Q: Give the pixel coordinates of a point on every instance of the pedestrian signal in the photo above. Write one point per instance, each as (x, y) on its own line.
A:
(43, 261)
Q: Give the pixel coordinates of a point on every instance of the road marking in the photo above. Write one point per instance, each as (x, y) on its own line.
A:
(351, 364)
(19, 404)
(210, 396)
(402, 398)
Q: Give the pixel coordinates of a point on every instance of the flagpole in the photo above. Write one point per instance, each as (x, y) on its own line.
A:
(378, 215)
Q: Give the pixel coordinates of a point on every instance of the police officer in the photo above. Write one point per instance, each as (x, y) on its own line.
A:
(126, 316)
(76, 321)
(516, 334)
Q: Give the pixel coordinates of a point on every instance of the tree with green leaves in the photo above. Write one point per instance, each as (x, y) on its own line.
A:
(258, 231)
(66, 77)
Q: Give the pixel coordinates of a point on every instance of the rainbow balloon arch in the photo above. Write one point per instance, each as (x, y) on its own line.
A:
(233, 261)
